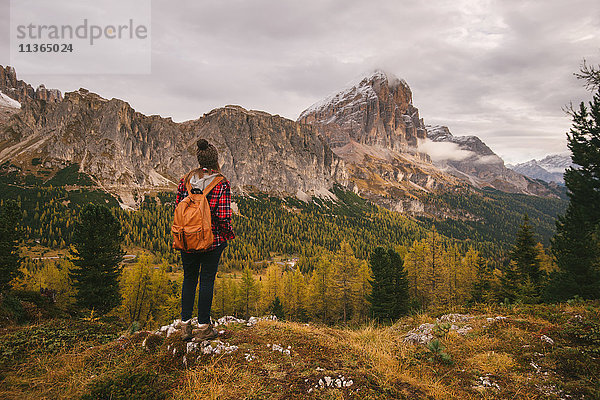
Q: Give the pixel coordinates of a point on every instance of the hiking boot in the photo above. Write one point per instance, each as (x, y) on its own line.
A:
(186, 330)
(205, 332)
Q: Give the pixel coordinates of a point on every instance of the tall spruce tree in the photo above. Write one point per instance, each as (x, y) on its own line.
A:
(382, 284)
(527, 263)
(576, 244)
(10, 218)
(400, 288)
(96, 254)
(389, 285)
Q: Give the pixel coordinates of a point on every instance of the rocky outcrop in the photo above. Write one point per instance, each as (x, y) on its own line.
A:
(269, 152)
(128, 153)
(377, 110)
(374, 127)
(393, 158)
(367, 137)
(549, 169)
(469, 158)
(23, 92)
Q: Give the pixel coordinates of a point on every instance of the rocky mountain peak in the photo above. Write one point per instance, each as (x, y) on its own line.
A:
(23, 92)
(377, 110)
(469, 158)
(549, 169)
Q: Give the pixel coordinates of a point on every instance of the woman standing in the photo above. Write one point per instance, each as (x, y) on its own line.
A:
(203, 265)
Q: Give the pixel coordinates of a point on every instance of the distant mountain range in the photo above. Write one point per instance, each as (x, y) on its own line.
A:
(393, 157)
(549, 169)
(367, 137)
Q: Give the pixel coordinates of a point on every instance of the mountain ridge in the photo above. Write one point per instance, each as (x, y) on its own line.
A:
(366, 139)
(550, 168)
(127, 152)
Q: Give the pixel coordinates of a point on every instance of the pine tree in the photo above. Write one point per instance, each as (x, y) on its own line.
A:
(363, 289)
(400, 298)
(509, 281)
(10, 218)
(482, 287)
(576, 244)
(276, 308)
(526, 258)
(96, 254)
(382, 284)
(389, 293)
(144, 290)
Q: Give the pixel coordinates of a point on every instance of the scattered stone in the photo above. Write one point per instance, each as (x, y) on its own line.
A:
(249, 357)
(464, 330)
(424, 333)
(229, 319)
(276, 347)
(253, 320)
(553, 391)
(455, 318)
(497, 318)
(191, 346)
(484, 382)
(546, 339)
(336, 383)
(421, 335)
(217, 347)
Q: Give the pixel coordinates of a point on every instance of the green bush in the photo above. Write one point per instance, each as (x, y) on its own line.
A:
(126, 386)
(52, 337)
(586, 333)
(11, 309)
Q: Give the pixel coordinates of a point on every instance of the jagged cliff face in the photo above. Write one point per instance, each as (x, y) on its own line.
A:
(128, 153)
(467, 157)
(269, 152)
(377, 110)
(368, 137)
(122, 149)
(374, 127)
(392, 156)
(23, 92)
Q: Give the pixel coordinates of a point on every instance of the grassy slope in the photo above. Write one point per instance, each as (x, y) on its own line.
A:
(510, 352)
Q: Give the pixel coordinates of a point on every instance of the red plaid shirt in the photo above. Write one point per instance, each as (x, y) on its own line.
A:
(219, 201)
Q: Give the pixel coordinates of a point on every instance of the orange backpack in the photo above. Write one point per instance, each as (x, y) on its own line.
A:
(192, 227)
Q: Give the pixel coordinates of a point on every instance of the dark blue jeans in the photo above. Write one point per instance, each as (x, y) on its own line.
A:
(203, 265)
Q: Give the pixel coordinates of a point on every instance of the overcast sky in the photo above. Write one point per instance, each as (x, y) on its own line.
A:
(501, 70)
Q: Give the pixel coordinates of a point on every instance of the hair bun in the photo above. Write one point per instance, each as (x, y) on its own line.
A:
(202, 144)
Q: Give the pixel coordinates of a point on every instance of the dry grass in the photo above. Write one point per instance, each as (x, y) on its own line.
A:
(381, 365)
(492, 362)
(227, 380)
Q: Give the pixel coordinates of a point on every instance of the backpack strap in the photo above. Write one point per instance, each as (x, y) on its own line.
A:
(207, 189)
(212, 185)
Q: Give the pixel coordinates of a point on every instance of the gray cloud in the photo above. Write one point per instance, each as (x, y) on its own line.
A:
(501, 70)
(441, 151)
